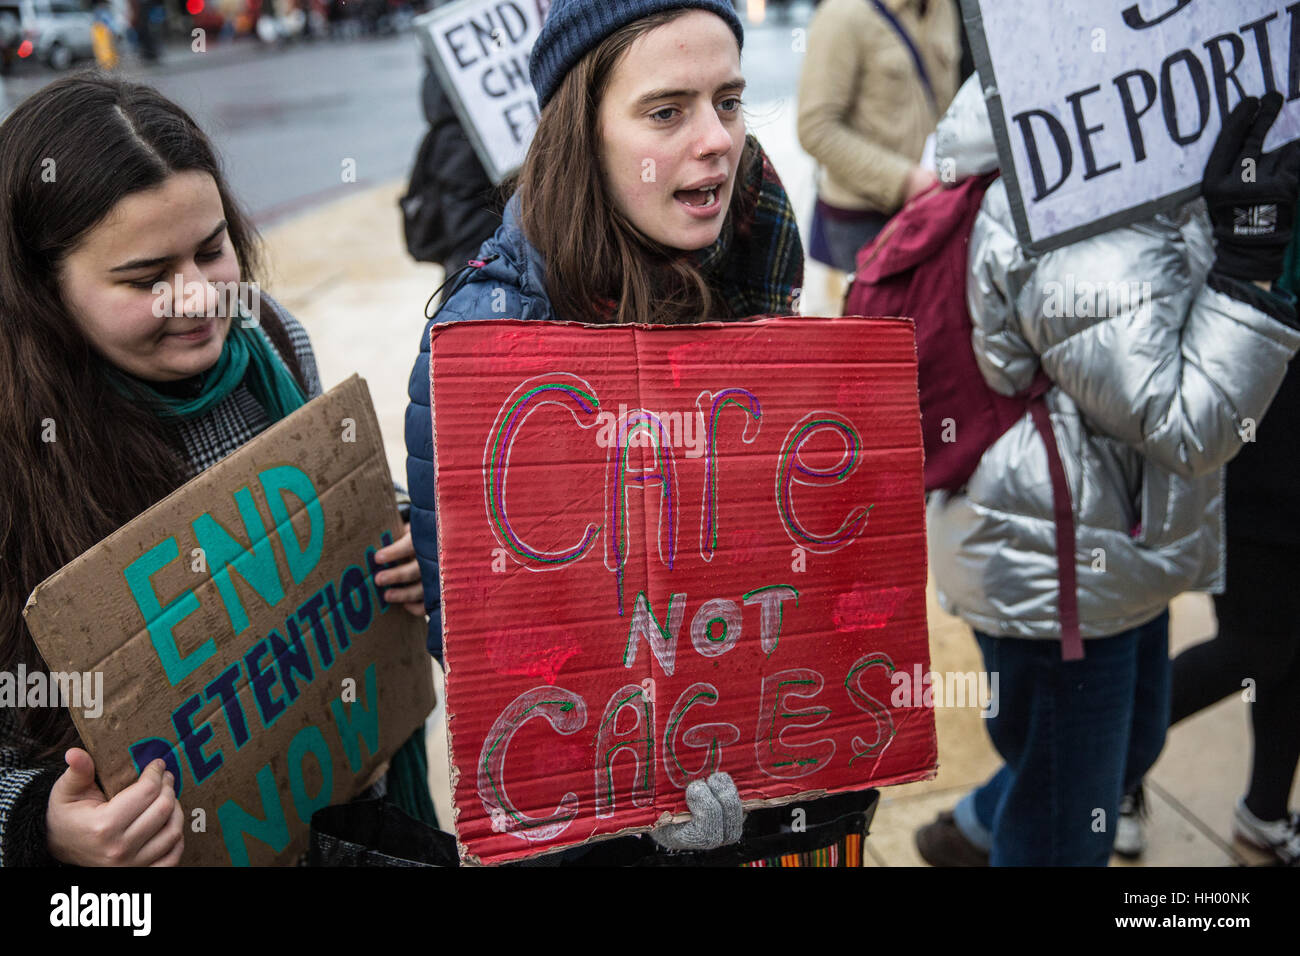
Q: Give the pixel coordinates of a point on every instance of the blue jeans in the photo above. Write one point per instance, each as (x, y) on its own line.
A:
(1073, 735)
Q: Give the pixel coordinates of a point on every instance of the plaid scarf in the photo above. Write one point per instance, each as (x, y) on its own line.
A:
(756, 264)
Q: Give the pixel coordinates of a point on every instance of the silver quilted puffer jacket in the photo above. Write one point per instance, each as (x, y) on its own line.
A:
(1157, 377)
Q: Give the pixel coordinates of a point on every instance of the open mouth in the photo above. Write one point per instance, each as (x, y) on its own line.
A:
(698, 198)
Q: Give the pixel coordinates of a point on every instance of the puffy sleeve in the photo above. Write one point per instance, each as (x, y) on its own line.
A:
(473, 299)
(1152, 351)
(997, 274)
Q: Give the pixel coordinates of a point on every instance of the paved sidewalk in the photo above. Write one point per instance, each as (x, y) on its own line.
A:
(344, 272)
(1190, 792)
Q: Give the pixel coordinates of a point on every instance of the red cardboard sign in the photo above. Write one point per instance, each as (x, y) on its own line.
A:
(669, 551)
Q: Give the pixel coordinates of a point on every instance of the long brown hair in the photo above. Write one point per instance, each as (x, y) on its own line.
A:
(592, 251)
(77, 460)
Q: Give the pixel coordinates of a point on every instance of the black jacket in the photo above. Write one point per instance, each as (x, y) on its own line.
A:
(1262, 485)
(451, 205)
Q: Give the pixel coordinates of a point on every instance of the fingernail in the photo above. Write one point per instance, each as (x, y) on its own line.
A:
(169, 779)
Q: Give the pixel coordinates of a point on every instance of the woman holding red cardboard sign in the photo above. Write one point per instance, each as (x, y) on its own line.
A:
(111, 396)
(642, 200)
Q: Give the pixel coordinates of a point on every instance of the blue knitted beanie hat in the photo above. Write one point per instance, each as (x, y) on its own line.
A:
(575, 27)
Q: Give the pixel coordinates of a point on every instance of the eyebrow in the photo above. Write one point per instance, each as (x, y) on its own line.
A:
(646, 99)
(144, 263)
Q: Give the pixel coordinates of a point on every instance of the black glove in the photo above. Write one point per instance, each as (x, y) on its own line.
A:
(1251, 194)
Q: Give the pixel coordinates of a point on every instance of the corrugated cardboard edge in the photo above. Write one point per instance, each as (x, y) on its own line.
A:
(270, 434)
(453, 770)
(467, 857)
(925, 543)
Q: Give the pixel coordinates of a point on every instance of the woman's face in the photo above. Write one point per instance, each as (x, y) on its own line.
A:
(149, 238)
(671, 130)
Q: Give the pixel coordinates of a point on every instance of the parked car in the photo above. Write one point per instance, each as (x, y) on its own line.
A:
(56, 32)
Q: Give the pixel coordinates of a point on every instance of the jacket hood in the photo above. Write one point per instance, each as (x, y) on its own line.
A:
(964, 143)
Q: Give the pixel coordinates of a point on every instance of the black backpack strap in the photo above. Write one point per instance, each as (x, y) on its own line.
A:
(456, 280)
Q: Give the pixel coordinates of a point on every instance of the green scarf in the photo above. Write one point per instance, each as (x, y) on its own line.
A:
(408, 779)
(249, 358)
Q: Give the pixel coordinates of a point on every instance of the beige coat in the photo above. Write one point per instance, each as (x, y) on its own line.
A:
(863, 111)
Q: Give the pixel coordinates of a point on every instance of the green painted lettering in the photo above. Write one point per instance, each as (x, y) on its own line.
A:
(159, 619)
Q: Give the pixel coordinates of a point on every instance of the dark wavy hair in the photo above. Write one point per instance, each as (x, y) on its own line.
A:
(111, 458)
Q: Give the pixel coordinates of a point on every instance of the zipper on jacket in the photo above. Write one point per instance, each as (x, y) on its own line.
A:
(460, 274)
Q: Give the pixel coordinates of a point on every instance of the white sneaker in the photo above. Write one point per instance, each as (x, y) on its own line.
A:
(1279, 837)
(1130, 838)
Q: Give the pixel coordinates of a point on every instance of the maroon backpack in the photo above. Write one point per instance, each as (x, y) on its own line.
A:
(917, 267)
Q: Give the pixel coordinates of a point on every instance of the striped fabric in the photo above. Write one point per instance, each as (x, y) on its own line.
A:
(845, 852)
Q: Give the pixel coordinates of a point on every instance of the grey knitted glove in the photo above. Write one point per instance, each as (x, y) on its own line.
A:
(717, 817)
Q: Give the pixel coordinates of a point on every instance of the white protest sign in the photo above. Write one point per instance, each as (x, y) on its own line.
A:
(1106, 110)
(480, 50)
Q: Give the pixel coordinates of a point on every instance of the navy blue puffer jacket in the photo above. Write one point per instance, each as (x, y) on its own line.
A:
(511, 285)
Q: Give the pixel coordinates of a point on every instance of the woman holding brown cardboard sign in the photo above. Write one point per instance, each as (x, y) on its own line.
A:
(112, 394)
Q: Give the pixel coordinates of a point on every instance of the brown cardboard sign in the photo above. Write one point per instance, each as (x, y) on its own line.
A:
(241, 637)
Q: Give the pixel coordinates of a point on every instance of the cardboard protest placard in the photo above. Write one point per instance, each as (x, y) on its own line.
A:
(479, 49)
(669, 551)
(242, 639)
(1105, 111)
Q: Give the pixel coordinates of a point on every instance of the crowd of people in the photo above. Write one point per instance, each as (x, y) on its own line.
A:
(1138, 411)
